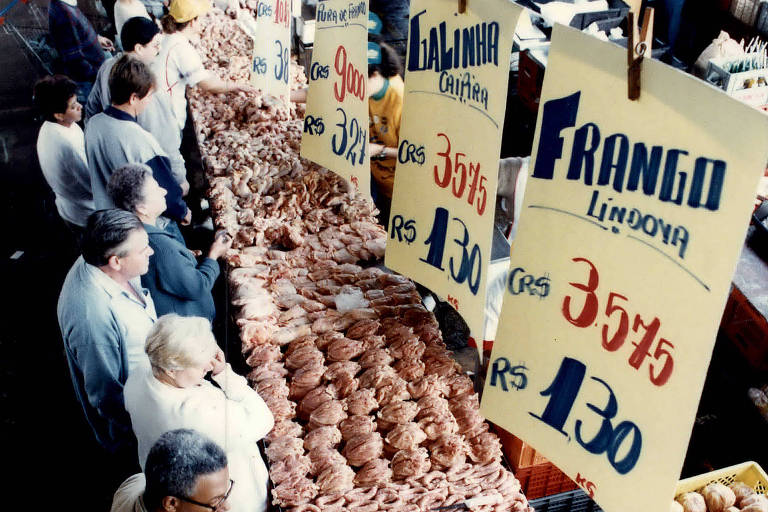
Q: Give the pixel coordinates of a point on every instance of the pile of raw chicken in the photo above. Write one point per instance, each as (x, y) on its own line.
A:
(371, 411)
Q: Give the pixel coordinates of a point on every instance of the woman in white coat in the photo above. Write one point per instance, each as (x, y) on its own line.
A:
(174, 394)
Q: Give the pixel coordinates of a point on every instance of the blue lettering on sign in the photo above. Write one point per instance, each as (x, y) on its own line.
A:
(326, 15)
(464, 87)
(622, 167)
(264, 9)
(357, 10)
(403, 229)
(475, 45)
(408, 152)
(316, 71)
(521, 282)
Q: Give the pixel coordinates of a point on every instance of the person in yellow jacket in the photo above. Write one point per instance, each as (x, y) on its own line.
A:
(385, 106)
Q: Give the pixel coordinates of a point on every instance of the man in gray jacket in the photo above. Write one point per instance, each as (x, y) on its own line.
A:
(113, 138)
(104, 316)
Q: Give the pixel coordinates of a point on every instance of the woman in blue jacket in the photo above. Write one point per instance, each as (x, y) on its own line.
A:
(176, 281)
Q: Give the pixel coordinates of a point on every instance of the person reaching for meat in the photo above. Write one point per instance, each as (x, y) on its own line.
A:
(177, 282)
(179, 65)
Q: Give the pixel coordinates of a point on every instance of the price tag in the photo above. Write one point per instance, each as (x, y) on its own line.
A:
(444, 198)
(271, 63)
(633, 221)
(336, 120)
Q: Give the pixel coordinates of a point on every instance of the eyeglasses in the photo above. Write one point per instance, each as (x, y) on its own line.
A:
(216, 502)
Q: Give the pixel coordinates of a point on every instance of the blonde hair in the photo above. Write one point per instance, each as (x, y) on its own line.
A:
(178, 342)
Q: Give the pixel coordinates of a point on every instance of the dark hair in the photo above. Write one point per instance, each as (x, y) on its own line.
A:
(126, 186)
(105, 231)
(170, 25)
(129, 76)
(138, 30)
(390, 64)
(176, 461)
(52, 94)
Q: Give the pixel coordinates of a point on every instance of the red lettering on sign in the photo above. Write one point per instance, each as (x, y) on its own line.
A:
(616, 314)
(453, 302)
(586, 485)
(350, 79)
(281, 12)
(454, 173)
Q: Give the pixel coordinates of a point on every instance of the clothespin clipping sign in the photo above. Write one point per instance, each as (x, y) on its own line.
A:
(638, 45)
(462, 6)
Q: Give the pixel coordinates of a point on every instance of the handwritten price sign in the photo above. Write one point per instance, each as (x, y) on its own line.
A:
(633, 220)
(336, 121)
(445, 184)
(270, 66)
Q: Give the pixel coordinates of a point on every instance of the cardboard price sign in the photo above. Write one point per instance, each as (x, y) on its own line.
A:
(633, 221)
(271, 62)
(444, 196)
(336, 120)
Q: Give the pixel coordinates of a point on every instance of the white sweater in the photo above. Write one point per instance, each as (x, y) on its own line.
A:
(61, 151)
(236, 418)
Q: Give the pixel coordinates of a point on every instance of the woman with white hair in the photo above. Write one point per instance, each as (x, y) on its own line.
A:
(173, 394)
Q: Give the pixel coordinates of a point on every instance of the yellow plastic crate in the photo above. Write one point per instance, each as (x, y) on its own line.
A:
(748, 472)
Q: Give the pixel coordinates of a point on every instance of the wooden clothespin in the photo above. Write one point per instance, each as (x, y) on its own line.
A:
(638, 45)
(462, 6)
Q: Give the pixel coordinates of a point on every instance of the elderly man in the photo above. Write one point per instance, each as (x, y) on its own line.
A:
(185, 471)
(104, 316)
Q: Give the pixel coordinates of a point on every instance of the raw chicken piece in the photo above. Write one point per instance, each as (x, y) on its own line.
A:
(344, 385)
(459, 385)
(431, 405)
(485, 447)
(363, 328)
(322, 436)
(268, 371)
(313, 399)
(406, 436)
(361, 402)
(293, 466)
(282, 448)
(448, 450)
(344, 349)
(377, 376)
(281, 408)
(363, 448)
(257, 332)
(286, 335)
(374, 341)
(399, 412)
(375, 357)
(300, 343)
(284, 428)
(396, 391)
(273, 387)
(335, 370)
(263, 354)
(410, 369)
(375, 472)
(303, 356)
(293, 492)
(328, 413)
(324, 457)
(410, 463)
(327, 338)
(410, 348)
(337, 478)
(357, 425)
(436, 425)
(428, 385)
(306, 379)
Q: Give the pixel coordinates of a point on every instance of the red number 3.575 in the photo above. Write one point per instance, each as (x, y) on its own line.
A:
(614, 338)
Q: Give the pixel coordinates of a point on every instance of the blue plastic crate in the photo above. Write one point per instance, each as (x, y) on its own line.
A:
(571, 501)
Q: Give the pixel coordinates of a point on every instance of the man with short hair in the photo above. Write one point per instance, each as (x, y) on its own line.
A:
(141, 39)
(61, 151)
(113, 138)
(104, 316)
(185, 470)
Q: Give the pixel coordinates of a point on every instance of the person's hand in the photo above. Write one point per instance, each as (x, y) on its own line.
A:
(187, 220)
(218, 362)
(184, 188)
(106, 43)
(221, 244)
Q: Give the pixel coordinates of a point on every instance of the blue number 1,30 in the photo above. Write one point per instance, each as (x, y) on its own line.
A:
(563, 391)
